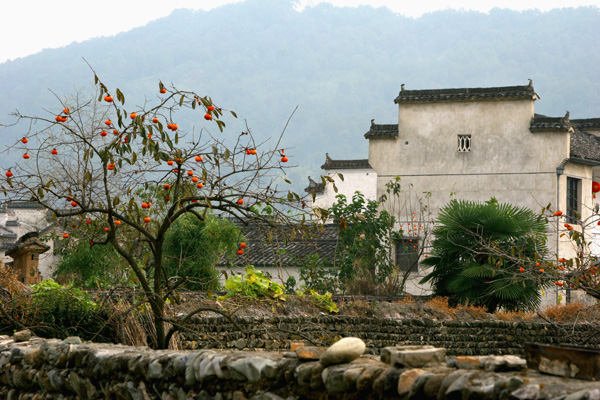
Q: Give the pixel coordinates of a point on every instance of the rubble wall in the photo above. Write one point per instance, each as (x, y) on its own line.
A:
(458, 337)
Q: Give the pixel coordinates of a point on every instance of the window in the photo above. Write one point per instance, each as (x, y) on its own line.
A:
(407, 255)
(464, 143)
(573, 200)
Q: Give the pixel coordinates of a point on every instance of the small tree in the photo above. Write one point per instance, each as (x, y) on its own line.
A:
(364, 238)
(88, 161)
(465, 254)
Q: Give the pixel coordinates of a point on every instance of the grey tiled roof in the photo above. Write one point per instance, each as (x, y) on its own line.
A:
(467, 94)
(345, 164)
(382, 131)
(541, 123)
(583, 124)
(24, 204)
(585, 146)
(7, 233)
(269, 246)
(312, 185)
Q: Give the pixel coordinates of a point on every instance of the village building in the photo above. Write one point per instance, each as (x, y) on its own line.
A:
(18, 220)
(479, 143)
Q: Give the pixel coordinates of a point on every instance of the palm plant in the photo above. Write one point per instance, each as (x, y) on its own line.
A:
(478, 250)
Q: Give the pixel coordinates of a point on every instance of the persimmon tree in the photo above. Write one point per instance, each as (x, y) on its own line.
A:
(116, 173)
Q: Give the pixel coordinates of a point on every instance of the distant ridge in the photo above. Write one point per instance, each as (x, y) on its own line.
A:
(342, 67)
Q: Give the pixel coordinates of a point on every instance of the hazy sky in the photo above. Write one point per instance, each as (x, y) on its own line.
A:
(29, 26)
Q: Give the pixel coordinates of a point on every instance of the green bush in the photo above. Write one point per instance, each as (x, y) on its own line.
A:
(253, 284)
(57, 311)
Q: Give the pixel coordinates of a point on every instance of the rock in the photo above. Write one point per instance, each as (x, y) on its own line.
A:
(386, 384)
(333, 379)
(72, 340)
(240, 344)
(469, 362)
(413, 356)
(407, 378)
(295, 345)
(448, 380)
(343, 351)
(504, 363)
(432, 386)
(527, 392)
(558, 367)
(22, 336)
(237, 395)
(417, 391)
(249, 368)
(310, 352)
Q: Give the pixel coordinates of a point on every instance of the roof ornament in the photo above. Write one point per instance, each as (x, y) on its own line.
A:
(566, 117)
(373, 122)
(402, 88)
(327, 158)
(530, 83)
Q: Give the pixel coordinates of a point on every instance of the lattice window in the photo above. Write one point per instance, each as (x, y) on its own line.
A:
(464, 143)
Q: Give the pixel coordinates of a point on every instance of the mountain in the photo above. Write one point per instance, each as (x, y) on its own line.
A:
(340, 66)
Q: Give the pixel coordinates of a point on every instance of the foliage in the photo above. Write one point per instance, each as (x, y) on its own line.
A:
(92, 266)
(253, 285)
(324, 301)
(121, 174)
(465, 264)
(317, 274)
(364, 238)
(193, 248)
(59, 311)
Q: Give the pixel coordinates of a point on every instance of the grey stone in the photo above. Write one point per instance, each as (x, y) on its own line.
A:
(417, 391)
(407, 378)
(343, 351)
(22, 336)
(72, 340)
(448, 380)
(155, 370)
(558, 367)
(413, 356)
(237, 395)
(240, 344)
(249, 368)
(527, 392)
(333, 379)
(432, 386)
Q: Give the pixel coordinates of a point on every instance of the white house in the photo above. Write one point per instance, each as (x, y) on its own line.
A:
(478, 143)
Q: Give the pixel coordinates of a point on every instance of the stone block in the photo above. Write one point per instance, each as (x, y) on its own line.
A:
(343, 351)
(407, 378)
(310, 352)
(413, 356)
(22, 336)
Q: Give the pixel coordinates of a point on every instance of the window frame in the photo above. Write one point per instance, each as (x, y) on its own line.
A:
(573, 200)
(412, 265)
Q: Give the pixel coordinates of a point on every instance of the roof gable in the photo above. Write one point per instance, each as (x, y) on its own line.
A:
(585, 146)
(467, 94)
(382, 131)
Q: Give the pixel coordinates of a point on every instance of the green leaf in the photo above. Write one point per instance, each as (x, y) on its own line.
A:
(226, 154)
(181, 100)
(120, 96)
(233, 113)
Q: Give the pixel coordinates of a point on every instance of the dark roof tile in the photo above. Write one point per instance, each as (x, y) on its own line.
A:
(467, 94)
(345, 164)
(312, 185)
(541, 123)
(272, 246)
(382, 131)
(583, 124)
(585, 146)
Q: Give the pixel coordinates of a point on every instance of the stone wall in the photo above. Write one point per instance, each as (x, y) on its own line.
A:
(458, 337)
(43, 369)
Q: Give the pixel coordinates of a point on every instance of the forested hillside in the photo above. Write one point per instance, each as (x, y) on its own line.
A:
(340, 66)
